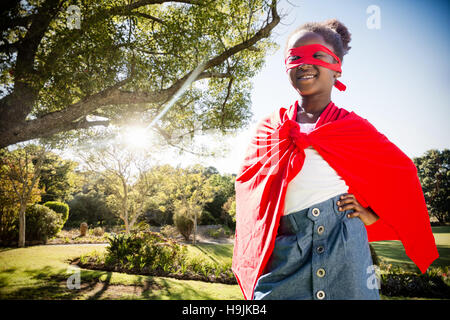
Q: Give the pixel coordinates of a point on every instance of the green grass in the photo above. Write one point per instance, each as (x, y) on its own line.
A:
(393, 252)
(41, 272)
(213, 252)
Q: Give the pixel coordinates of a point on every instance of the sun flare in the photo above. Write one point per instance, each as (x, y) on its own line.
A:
(136, 137)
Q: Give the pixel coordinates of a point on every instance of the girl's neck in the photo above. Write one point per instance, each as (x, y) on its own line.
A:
(311, 108)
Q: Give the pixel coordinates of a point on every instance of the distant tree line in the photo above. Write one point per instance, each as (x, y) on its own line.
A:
(109, 193)
(119, 190)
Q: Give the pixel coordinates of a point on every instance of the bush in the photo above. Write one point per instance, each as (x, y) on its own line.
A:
(216, 233)
(98, 231)
(183, 224)
(59, 207)
(414, 285)
(42, 223)
(148, 251)
(207, 218)
(169, 231)
(9, 226)
(92, 209)
(151, 253)
(397, 282)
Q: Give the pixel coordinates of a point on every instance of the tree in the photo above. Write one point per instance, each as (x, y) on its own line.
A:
(21, 168)
(433, 169)
(89, 204)
(159, 206)
(129, 58)
(118, 167)
(224, 185)
(57, 178)
(230, 208)
(193, 190)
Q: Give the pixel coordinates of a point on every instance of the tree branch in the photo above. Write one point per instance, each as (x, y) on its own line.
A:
(67, 118)
(146, 16)
(230, 83)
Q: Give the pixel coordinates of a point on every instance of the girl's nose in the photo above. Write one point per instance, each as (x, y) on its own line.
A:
(304, 67)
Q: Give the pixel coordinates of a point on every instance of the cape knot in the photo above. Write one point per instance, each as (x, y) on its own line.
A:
(300, 139)
(291, 129)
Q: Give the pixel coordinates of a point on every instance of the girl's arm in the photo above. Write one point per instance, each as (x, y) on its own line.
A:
(349, 202)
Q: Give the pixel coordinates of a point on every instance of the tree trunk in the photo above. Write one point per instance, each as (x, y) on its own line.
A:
(124, 217)
(21, 243)
(195, 226)
(127, 227)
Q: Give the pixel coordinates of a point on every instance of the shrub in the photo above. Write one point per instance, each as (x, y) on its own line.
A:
(141, 226)
(9, 226)
(169, 231)
(209, 271)
(42, 223)
(207, 218)
(59, 207)
(414, 285)
(215, 233)
(92, 209)
(152, 253)
(397, 282)
(183, 224)
(98, 231)
(144, 251)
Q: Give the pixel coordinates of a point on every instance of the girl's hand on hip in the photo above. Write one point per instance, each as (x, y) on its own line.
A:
(349, 202)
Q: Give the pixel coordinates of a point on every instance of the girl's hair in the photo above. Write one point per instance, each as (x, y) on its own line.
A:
(333, 32)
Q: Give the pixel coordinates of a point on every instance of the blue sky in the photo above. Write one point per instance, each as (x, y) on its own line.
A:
(397, 77)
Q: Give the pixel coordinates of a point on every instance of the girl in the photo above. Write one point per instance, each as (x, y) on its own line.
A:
(317, 184)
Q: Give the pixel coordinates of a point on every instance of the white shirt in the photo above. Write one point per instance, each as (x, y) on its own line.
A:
(317, 181)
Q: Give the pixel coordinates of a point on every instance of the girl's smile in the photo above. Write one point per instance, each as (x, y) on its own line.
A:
(307, 74)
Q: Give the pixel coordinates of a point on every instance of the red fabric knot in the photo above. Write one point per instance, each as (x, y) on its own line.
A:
(300, 139)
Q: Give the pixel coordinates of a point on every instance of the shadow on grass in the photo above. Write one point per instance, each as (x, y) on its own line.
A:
(167, 291)
(5, 275)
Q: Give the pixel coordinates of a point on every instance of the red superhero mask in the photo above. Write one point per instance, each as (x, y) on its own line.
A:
(306, 54)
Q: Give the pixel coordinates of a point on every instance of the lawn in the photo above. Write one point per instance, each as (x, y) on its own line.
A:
(41, 272)
(393, 252)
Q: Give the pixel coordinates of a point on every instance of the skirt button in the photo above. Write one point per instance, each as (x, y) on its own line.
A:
(320, 230)
(315, 212)
(320, 273)
(320, 295)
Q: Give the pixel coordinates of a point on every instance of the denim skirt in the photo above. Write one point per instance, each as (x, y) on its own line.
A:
(319, 253)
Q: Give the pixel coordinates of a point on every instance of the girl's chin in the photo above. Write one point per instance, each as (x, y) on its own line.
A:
(306, 91)
(305, 84)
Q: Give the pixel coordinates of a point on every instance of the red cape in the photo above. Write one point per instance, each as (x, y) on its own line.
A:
(378, 173)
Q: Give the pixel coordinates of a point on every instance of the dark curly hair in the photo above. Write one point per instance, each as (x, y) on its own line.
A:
(333, 32)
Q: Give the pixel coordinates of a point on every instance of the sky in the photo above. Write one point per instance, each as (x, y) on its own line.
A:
(397, 76)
